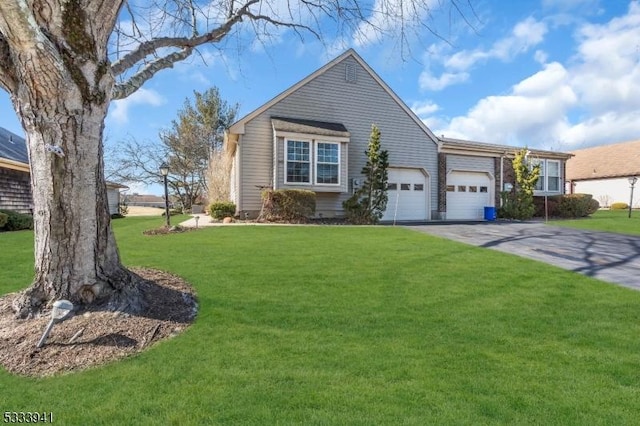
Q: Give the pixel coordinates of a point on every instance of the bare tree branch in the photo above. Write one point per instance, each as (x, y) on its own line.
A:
(125, 89)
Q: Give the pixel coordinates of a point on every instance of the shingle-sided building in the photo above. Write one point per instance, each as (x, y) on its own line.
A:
(15, 181)
(314, 136)
(603, 172)
(15, 186)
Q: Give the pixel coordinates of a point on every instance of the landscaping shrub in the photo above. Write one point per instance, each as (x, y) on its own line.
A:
(17, 221)
(619, 206)
(222, 209)
(288, 205)
(3, 219)
(368, 202)
(577, 205)
(552, 206)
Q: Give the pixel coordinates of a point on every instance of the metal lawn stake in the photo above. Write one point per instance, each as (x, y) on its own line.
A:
(61, 309)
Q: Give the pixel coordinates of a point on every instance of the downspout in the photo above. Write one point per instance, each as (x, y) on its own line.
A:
(501, 177)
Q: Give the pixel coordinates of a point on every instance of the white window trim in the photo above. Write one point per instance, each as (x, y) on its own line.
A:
(313, 160)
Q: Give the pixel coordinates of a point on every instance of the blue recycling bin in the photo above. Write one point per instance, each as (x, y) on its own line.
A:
(490, 213)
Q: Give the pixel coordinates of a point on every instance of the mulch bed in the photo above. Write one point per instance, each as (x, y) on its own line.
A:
(95, 337)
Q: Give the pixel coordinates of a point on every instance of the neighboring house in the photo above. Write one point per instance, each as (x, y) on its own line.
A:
(314, 136)
(15, 184)
(15, 181)
(145, 200)
(603, 171)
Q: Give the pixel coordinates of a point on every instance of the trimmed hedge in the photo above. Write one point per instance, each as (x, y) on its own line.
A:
(3, 219)
(566, 206)
(222, 209)
(288, 205)
(619, 206)
(16, 221)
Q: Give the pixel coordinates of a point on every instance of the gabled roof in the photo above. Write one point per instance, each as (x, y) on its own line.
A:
(13, 151)
(605, 161)
(238, 126)
(452, 146)
(13, 147)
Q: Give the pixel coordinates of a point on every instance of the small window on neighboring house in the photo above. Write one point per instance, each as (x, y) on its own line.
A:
(483, 189)
(473, 189)
(462, 188)
(392, 186)
(451, 188)
(418, 187)
(405, 187)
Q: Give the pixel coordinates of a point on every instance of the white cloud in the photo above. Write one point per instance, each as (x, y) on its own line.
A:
(525, 35)
(423, 108)
(119, 111)
(428, 82)
(456, 67)
(593, 98)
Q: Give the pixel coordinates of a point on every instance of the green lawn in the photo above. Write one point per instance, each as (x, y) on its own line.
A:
(355, 325)
(606, 220)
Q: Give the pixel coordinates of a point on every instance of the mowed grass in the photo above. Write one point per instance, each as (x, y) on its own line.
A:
(354, 325)
(617, 221)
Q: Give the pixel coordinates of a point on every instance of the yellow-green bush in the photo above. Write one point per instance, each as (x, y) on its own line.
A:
(4, 218)
(619, 206)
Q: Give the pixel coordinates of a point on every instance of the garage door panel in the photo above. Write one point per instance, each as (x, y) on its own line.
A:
(407, 191)
(467, 195)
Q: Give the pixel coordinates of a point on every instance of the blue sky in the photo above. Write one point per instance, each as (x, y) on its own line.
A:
(548, 74)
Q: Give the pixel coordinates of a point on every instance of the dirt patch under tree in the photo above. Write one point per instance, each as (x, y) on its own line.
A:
(94, 337)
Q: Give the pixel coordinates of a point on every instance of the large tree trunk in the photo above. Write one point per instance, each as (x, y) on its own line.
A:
(63, 103)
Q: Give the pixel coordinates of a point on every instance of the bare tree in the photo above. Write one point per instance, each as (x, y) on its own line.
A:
(186, 147)
(64, 61)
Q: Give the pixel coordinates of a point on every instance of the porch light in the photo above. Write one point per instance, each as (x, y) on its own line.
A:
(61, 310)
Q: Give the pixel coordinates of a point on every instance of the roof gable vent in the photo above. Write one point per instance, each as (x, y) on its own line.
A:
(350, 73)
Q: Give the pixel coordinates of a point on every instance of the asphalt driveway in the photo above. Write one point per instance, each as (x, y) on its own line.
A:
(609, 257)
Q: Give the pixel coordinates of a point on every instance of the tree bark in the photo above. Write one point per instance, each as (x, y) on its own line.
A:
(62, 93)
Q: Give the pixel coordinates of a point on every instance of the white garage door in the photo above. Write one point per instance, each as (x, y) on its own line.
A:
(408, 192)
(468, 193)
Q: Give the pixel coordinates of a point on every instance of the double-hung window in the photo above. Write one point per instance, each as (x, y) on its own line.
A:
(549, 180)
(312, 162)
(298, 161)
(553, 176)
(327, 163)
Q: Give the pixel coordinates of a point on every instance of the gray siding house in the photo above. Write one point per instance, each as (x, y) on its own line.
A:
(314, 135)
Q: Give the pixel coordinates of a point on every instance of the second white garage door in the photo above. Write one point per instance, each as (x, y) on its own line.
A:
(468, 193)
(408, 193)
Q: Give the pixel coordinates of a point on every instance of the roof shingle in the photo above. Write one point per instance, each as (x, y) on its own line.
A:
(605, 161)
(13, 147)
